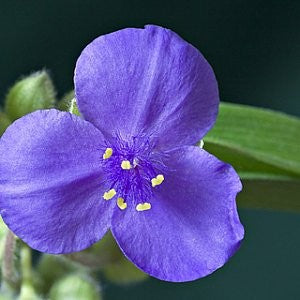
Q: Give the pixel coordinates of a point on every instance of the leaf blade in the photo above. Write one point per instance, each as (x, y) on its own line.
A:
(257, 141)
(280, 195)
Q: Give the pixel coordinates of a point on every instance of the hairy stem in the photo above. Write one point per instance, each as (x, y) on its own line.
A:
(9, 273)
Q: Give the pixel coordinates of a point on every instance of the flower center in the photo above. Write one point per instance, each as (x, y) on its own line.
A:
(134, 169)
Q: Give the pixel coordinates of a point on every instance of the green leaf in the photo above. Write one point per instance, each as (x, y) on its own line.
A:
(282, 195)
(264, 148)
(258, 143)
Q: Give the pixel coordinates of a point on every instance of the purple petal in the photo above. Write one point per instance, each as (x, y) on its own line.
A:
(147, 80)
(193, 226)
(50, 186)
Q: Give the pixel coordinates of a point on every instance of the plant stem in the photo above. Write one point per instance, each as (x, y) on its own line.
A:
(27, 290)
(9, 274)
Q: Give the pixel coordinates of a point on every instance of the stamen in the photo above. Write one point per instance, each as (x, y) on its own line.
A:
(157, 180)
(135, 162)
(125, 165)
(143, 206)
(110, 194)
(201, 144)
(108, 153)
(121, 204)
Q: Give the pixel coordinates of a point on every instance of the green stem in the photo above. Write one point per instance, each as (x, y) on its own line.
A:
(27, 290)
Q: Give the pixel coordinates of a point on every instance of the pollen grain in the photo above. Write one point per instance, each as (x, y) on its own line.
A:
(108, 153)
(121, 204)
(110, 194)
(126, 165)
(143, 206)
(157, 180)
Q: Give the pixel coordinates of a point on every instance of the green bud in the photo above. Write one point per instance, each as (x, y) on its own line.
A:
(4, 295)
(4, 122)
(64, 103)
(68, 103)
(27, 292)
(123, 272)
(107, 257)
(73, 109)
(49, 269)
(29, 94)
(104, 252)
(75, 287)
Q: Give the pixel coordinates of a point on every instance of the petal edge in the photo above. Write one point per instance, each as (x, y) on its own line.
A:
(50, 186)
(192, 228)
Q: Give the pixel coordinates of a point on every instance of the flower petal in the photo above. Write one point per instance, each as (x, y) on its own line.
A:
(50, 186)
(147, 80)
(192, 228)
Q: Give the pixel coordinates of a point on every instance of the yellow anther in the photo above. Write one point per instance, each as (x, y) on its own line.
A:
(110, 194)
(157, 180)
(108, 153)
(120, 202)
(125, 165)
(143, 206)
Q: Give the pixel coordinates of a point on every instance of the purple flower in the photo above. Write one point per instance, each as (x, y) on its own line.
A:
(131, 166)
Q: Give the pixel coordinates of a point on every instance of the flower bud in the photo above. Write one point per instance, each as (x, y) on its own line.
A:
(64, 103)
(28, 292)
(49, 269)
(75, 286)
(29, 94)
(69, 103)
(6, 296)
(99, 255)
(123, 272)
(4, 122)
(74, 108)
(107, 257)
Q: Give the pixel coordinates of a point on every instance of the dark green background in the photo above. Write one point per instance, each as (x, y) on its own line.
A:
(254, 48)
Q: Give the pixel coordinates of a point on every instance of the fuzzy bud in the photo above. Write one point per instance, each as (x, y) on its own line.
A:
(75, 286)
(4, 122)
(29, 94)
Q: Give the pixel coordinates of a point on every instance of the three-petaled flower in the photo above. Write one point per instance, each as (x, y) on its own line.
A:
(131, 166)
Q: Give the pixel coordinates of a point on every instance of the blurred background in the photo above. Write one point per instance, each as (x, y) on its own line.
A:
(254, 48)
